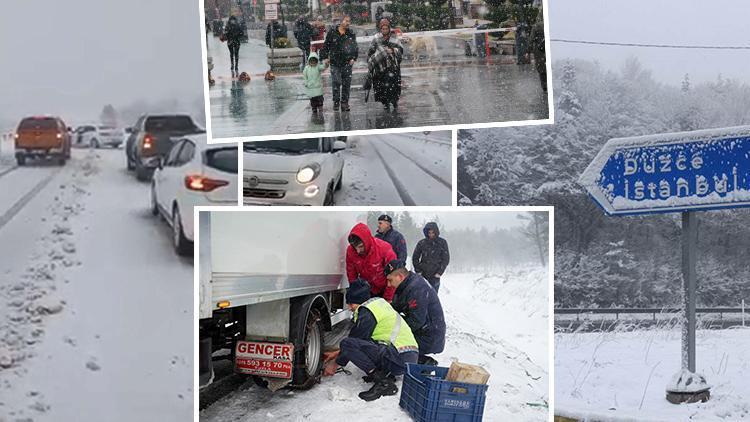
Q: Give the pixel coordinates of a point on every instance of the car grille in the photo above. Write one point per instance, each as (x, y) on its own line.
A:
(263, 193)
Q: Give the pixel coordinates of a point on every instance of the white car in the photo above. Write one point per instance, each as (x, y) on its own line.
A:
(99, 136)
(292, 171)
(192, 174)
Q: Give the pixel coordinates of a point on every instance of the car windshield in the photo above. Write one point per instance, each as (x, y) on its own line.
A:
(223, 159)
(38, 124)
(170, 123)
(285, 146)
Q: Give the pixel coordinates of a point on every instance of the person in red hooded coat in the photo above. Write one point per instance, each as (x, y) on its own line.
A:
(366, 258)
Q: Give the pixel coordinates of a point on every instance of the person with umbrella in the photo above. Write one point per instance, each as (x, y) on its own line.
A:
(384, 65)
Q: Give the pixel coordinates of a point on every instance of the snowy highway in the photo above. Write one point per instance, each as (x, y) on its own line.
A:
(496, 320)
(95, 306)
(397, 169)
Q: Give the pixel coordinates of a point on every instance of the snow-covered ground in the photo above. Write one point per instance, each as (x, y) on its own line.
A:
(499, 321)
(622, 376)
(95, 307)
(397, 169)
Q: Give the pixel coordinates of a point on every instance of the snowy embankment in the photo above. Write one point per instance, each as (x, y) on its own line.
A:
(6, 149)
(622, 376)
(497, 321)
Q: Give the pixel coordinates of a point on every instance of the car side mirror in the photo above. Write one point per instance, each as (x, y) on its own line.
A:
(339, 146)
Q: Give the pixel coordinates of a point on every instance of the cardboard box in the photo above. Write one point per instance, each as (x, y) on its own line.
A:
(471, 374)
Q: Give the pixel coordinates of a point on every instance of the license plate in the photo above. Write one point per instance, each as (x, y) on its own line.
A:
(264, 359)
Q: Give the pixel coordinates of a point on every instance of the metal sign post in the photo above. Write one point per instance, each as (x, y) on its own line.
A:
(675, 172)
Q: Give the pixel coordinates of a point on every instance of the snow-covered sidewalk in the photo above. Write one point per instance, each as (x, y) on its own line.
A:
(622, 376)
(497, 321)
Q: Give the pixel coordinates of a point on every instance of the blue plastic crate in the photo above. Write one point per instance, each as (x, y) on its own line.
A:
(428, 397)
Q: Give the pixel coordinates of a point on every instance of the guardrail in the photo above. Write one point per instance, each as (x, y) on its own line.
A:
(653, 311)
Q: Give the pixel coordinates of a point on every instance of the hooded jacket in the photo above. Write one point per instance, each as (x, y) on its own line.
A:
(431, 256)
(370, 267)
(313, 77)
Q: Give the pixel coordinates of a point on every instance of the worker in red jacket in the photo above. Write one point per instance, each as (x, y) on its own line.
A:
(366, 257)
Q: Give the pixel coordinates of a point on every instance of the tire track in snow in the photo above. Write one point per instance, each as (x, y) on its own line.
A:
(421, 167)
(8, 170)
(400, 188)
(26, 198)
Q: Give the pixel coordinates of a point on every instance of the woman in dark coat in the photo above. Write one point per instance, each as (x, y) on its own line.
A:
(384, 63)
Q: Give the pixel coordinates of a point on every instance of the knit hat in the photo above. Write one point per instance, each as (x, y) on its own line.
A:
(384, 21)
(393, 266)
(358, 293)
(385, 217)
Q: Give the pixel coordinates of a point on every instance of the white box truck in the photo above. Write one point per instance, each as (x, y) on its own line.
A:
(270, 284)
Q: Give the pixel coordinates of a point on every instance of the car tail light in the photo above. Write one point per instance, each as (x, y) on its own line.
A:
(59, 136)
(148, 141)
(203, 184)
(17, 136)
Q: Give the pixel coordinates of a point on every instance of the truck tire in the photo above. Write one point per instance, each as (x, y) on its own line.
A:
(308, 362)
(21, 159)
(141, 173)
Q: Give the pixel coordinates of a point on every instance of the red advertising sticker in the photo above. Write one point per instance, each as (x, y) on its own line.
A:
(264, 359)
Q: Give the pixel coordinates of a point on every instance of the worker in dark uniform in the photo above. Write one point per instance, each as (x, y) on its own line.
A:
(418, 302)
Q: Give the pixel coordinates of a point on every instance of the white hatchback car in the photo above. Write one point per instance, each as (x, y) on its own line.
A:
(292, 171)
(99, 136)
(192, 174)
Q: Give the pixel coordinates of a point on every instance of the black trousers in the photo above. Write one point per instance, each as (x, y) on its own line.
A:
(234, 52)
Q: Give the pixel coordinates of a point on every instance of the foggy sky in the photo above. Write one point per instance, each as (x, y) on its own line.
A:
(71, 57)
(471, 219)
(698, 22)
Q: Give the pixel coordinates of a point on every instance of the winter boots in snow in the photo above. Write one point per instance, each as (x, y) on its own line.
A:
(427, 360)
(385, 385)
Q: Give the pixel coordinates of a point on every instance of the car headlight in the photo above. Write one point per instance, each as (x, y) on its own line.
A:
(308, 173)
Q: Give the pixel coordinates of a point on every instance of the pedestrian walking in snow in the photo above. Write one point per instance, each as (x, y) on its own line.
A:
(341, 51)
(303, 32)
(378, 344)
(312, 75)
(366, 257)
(384, 65)
(418, 302)
(537, 49)
(233, 34)
(389, 234)
(431, 255)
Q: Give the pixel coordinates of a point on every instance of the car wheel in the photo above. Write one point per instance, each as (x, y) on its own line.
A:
(141, 173)
(328, 201)
(21, 159)
(94, 143)
(154, 204)
(61, 161)
(128, 162)
(305, 376)
(182, 245)
(340, 183)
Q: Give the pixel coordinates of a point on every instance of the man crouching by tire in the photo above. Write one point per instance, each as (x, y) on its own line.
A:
(380, 343)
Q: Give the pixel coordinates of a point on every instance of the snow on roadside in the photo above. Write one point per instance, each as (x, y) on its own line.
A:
(30, 299)
(619, 376)
(497, 321)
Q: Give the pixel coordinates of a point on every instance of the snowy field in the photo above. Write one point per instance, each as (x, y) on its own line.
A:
(498, 321)
(622, 376)
(95, 307)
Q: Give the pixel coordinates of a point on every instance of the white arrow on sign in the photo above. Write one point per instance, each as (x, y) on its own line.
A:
(673, 172)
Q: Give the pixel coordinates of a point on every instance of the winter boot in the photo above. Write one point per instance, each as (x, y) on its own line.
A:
(386, 107)
(370, 378)
(395, 105)
(384, 386)
(427, 360)
(345, 107)
(336, 105)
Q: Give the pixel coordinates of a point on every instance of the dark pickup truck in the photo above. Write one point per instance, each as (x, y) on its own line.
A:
(151, 140)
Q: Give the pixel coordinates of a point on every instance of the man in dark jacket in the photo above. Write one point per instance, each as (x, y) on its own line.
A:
(275, 31)
(378, 344)
(389, 234)
(233, 34)
(420, 306)
(431, 256)
(537, 49)
(340, 50)
(303, 32)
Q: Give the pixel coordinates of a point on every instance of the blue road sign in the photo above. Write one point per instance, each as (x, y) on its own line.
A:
(674, 172)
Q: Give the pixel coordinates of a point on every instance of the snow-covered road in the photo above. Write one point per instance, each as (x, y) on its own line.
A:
(95, 307)
(499, 321)
(622, 376)
(397, 169)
